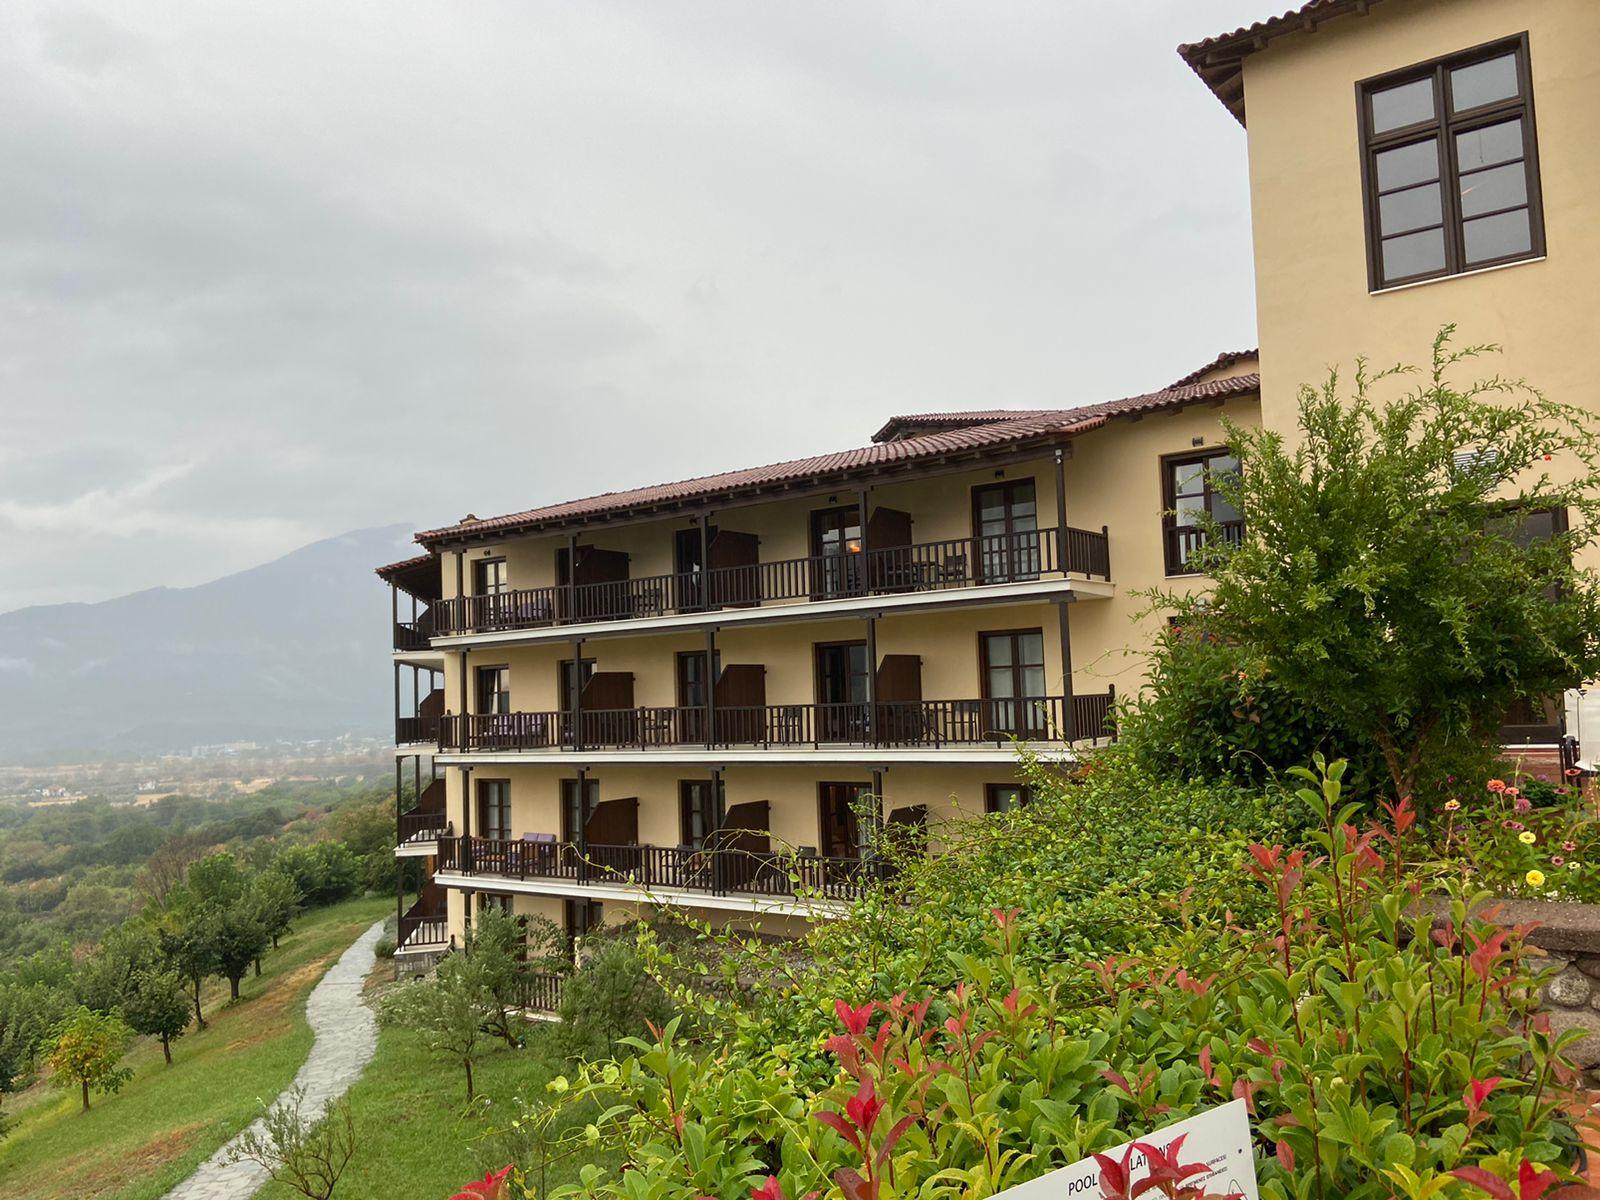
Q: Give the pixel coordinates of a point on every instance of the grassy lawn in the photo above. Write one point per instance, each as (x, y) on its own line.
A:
(137, 1144)
(417, 1139)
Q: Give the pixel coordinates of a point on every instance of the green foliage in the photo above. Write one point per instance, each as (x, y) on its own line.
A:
(1211, 710)
(1502, 841)
(86, 1052)
(508, 952)
(156, 1005)
(1375, 1056)
(608, 997)
(304, 1150)
(1387, 580)
(104, 978)
(239, 939)
(275, 900)
(323, 872)
(450, 1013)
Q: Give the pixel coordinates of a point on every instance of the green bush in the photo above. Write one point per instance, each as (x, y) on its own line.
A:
(610, 996)
(324, 872)
(385, 948)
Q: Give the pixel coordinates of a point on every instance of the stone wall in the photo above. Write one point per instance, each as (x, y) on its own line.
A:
(1569, 935)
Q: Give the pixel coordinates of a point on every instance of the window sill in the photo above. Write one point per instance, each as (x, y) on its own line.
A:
(1416, 283)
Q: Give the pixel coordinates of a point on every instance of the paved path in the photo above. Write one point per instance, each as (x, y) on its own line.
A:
(346, 1036)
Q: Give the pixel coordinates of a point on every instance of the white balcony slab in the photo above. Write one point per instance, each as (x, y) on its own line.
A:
(788, 906)
(983, 595)
(865, 756)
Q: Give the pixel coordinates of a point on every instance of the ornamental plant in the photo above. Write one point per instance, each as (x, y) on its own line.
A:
(1378, 1048)
(1502, 841)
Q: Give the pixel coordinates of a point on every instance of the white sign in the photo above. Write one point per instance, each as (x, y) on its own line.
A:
(1218, 1137)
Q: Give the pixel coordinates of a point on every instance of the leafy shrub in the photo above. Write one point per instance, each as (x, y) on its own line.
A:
(324, 872)
(1377, 1052)
(1506, 843)
(385, 948)
(610, 996)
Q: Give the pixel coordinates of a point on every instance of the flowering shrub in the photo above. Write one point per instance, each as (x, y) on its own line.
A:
(1514, 847)
(1377, 1051)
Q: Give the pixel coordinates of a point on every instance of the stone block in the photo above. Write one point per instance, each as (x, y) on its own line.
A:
(1570, 989)
(1585, 1052)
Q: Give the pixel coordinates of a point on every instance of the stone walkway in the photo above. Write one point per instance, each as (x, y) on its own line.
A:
(346, 1036)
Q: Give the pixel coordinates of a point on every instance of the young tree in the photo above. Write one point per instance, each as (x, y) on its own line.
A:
(104, 979)
(238, 938)
(189, 945)
(216, 879)
(305, 1151)
(1389, 577)
(450, 1012)
(156, 1005)
(86, 1049)
(508, 951)
(277, 902)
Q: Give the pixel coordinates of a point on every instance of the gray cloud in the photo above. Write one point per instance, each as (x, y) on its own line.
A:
(273, 270)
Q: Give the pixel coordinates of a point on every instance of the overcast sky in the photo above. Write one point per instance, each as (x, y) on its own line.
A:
(271, 271)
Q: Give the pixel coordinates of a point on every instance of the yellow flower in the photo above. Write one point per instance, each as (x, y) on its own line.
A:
(1526, 837)
(1451, 805)
(1535, 879)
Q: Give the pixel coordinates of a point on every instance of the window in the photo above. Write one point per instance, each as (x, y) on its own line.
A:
(494, 809)
(841, 681)
(489, 577)
(570, 817)
(1003, 797)
(843, 834)
(581, 918)
(1450, 166)
(495, 902)
(571, 676)
(697, 812)
(1005, 520)
(1014, 688)
(1189, 494)
(494, 689)
(835, 541)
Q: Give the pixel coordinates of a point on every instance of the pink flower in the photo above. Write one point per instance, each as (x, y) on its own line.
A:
(1508, 823)
(1556, 860)
(1569, 847)
(1496, 785)
(1522, 804)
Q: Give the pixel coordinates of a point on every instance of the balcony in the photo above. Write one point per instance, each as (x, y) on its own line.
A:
(1184, 542)
(414, 634)
(422, 930)
(923, 723)
(890, 571)
(420, 826)
(661, 869)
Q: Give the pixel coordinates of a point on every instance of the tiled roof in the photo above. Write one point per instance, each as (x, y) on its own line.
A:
(404, 565)
(1043, 425)
(1226, 359)
(1219, 60)
(912, 423)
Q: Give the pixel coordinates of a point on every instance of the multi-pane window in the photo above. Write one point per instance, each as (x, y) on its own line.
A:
(489, 577)
(494, 809)
(1005, 520)
(1003, 797)
(1014, 684)
(1450, 166)
(1191, 495)
(697, 812)
(494, 689)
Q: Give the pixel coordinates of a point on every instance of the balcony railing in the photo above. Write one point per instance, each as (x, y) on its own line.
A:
(423, 929)
(410, 730)
(1183, 542)
(893, 570)
(928, 723)
(680, 868)
(414, 635)
(540, 991)
(422, 826)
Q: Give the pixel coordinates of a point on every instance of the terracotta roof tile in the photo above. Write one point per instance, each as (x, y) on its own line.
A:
(1226, 359)
(1218, 60)
(404, 565)
(1044, 425)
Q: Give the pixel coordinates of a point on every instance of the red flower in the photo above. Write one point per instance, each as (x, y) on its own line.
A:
(491, 1187)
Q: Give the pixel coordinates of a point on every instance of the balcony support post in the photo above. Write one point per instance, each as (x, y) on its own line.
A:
(1069, 730)
(711, 688)
(1061, 511)
(864, 584)
(461, 591)
(394, 611)
(719, 815)
(872, 680)
(397, 701)
(704, 582)
(572, 582)
(462, 738)
(577, 695)
(399, 780)
(877, 809)
(583, 825)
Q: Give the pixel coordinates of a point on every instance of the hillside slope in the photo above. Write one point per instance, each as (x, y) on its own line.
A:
(290, 649)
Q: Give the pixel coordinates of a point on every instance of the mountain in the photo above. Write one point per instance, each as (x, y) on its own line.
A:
(295, 648)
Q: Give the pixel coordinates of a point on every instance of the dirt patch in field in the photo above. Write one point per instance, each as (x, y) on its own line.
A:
(85, 1176)
(269, 1014)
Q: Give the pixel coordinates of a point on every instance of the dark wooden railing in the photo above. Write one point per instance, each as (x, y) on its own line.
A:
(422, 826)
(418, 929)
(912, 723)
(1183, 542)
(893, 570)
(414, 635)
(681, 868)
(408, 730)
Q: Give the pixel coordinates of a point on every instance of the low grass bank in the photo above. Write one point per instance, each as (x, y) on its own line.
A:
(137, 1144)
(416, 1137)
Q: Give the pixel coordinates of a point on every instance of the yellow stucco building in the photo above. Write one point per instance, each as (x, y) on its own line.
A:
(708, 693)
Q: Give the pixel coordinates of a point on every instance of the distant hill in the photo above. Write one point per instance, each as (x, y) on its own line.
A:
(294, 648)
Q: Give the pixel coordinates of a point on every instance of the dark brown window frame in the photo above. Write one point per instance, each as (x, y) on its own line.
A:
(478, 564)
(1444, 125)
(991, 792)
(480, 811)
(1169, 501)
(983, 657)
(479, 674)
